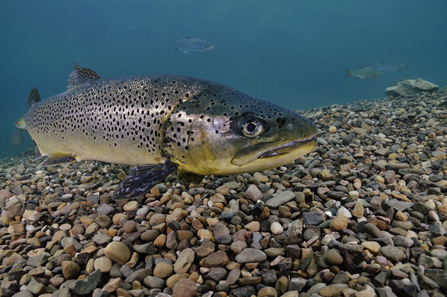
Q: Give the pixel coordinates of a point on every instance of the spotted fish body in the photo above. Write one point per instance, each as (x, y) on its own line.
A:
(163, 124)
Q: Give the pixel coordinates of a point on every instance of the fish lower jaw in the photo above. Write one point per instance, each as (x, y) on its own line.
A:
(274, 156)
(288, 147)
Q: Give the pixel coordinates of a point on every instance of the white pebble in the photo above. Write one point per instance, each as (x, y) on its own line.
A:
(354, 194)
(142, 212)
(327, 238)
(344, 211)
(276, 228)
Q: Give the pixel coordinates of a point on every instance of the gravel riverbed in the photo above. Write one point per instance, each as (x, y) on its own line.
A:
(365, 214)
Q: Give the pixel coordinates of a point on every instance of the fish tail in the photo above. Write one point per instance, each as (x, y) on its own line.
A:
(348, 72)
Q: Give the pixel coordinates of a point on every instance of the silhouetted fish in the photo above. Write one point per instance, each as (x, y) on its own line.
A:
(190, 44)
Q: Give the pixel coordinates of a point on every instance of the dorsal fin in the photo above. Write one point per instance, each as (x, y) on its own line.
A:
(33, 97)
(80, 76)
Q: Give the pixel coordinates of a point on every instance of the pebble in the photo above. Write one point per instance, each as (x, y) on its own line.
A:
(338, 223)
(118, 252)
(333, 257)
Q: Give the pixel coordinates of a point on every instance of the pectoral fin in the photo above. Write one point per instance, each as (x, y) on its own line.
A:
(141, 179)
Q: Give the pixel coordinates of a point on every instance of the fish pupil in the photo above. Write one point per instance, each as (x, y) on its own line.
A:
(251, 127)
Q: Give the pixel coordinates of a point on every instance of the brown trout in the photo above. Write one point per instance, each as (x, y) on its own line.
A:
(164, 124)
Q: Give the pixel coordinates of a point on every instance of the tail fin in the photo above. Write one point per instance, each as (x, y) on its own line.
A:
(348, 72)
(33, 97)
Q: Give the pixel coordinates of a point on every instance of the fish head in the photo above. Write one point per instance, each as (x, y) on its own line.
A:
(20, 123)
(230, 132)
(208, 47)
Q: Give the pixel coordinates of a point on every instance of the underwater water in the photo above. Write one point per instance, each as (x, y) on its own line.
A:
(292, 53)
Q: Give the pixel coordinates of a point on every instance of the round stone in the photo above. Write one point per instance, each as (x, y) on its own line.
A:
(131, 205)
(333, 257)
(372, 246)
(70, 269)
(276, 228)
(254, 226)
(393, 253)
(103, 263)
(117, 217)
(129, 227)
(338, 223)
(157, 219)
(163, 270)
(250, 255)
(118, 252)
(78, 229)
(267, 292)
(185, 288)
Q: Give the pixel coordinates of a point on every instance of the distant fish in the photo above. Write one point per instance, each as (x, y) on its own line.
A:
(376, 70)
(387, 67)
(16, 136)
(190, 44)
(363, 73)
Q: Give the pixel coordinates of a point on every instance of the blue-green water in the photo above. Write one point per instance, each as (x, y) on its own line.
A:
(292, 53)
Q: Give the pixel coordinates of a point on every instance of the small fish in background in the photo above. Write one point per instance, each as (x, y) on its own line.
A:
(190, 44)
(388, 67)
(366, 72)
(363, 73)
(16, 136)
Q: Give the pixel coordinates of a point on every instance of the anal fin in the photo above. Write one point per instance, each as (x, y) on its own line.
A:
(141, 179)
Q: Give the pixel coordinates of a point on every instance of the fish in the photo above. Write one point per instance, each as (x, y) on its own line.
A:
(363, 73)
(165, 124)
(16, 135)
(388, 67)
(372, 71)
(190, 44)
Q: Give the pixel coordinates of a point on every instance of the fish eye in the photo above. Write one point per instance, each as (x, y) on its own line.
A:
(252, 127)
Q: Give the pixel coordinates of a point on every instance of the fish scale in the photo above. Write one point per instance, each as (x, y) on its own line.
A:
(163, 124)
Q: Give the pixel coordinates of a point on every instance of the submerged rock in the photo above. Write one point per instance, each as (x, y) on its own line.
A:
(411, 87)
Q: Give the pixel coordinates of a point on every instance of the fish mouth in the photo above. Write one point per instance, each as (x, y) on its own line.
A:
(294, 149)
